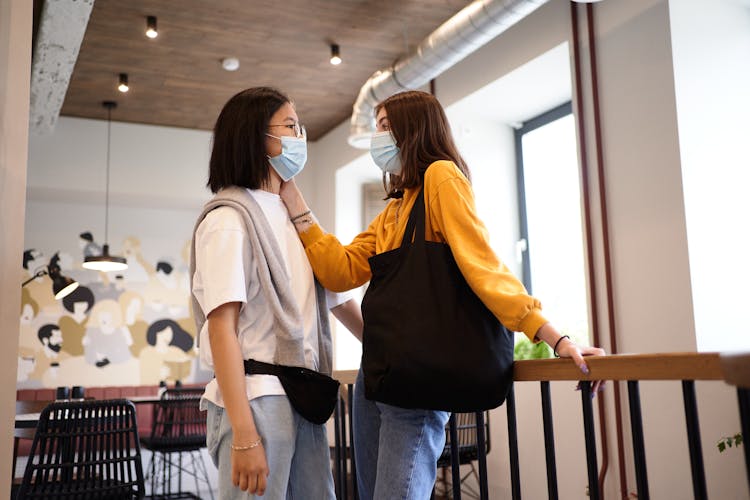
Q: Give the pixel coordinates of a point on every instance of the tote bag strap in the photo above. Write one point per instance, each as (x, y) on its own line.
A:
(415, 224)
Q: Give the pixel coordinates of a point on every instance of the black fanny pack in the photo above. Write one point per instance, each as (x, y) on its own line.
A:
(311, 393)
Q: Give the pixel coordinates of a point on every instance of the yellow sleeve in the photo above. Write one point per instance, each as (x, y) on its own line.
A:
(340, 267)
(454, 219)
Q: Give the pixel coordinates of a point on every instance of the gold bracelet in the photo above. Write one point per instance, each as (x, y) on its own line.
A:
(252, 445)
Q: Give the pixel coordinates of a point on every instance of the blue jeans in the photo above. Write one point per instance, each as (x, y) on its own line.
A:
(396, 449)
(296, 452)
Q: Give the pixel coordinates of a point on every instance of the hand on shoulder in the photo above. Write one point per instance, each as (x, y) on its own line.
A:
(292, 198)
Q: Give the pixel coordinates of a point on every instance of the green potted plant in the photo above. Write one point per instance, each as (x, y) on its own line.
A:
(729, 441)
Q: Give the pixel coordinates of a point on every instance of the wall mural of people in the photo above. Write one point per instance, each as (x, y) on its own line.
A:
(107, 339)
(114, 325)
(29, 311)
(73, 325)
(49, 352)
(168, 354)
(131, 304)
(88, 246)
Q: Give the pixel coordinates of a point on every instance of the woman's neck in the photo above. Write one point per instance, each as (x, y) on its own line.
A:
(274, 183)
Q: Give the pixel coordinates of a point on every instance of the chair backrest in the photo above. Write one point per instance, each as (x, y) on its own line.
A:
(466, 428)
(178, 423)
(85, 449)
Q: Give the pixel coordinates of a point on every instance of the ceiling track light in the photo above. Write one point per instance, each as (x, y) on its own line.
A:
(335, 54)
(123, 85)
(106, 262)
(151, 31)
(230, 63)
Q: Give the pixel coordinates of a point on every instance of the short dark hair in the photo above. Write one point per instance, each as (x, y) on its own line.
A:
(238, 154)
(45, 331)
(80, 294)
(28, 256)
(166, 267)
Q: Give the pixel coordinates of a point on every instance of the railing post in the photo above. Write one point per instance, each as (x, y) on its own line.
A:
(344, 479)
(455, 473)
(484, 493)
(337, 449)
(515, 477)
(588, 428)
(694, 440)
(743, 397)
(639, 448)
(350, 392)
(549, 440)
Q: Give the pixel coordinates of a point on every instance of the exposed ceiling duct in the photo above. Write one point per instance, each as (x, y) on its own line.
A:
(459, 36)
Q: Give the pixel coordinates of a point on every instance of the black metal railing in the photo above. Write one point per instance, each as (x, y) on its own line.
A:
(633, 369)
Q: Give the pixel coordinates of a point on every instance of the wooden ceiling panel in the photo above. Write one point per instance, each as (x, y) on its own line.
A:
(177, 79)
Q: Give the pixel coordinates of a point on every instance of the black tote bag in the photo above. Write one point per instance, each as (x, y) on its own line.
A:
(429, 342)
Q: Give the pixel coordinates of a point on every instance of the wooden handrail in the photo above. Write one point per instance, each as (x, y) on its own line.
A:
(663, 366)
(345, 376)
(734, 369)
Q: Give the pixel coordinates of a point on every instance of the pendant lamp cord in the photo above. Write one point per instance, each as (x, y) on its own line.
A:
(106, 198)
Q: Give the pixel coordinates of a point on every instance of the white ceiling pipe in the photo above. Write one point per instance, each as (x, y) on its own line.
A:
(459, 36)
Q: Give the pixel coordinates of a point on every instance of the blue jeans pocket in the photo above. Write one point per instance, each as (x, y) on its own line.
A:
(214, 416)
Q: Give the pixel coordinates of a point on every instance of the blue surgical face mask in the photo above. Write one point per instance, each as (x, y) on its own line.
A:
(293, 156)
(385, 153)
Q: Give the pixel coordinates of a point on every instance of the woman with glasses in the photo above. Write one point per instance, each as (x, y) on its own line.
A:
(255, 298)
(396, 449)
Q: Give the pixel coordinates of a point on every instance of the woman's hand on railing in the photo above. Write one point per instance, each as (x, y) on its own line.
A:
(566, 348)
(569, 349)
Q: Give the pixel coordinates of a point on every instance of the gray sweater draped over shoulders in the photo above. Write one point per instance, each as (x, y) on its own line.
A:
(274, 282)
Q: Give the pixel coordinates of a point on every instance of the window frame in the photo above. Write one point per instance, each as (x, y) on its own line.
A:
(530, 125)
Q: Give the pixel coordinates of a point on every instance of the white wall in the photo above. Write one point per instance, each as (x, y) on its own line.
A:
(149, 165)
(317, 181)
(648, 230)
(349, 180)
(711, 50)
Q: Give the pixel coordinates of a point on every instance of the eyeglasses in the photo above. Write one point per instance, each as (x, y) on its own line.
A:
(297, 128)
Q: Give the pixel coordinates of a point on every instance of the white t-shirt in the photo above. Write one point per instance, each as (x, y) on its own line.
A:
(223, 274)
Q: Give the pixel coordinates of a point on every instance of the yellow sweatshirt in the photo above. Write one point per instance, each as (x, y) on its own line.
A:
(451, 218)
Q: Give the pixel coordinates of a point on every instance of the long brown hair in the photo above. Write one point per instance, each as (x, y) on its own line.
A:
(422, 133)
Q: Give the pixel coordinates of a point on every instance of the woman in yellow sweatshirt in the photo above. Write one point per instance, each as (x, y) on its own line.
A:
(396, 448)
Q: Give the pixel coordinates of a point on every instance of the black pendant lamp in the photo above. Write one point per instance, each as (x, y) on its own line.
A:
(106, 262)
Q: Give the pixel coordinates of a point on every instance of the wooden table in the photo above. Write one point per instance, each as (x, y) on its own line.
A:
(27, 413)
(141, 400)
(27, 418)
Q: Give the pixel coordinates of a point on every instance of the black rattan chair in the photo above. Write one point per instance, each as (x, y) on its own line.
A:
(468, 453)
(179, 427)
(85, 450)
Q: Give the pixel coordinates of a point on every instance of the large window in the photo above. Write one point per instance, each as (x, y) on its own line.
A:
(551, 224)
